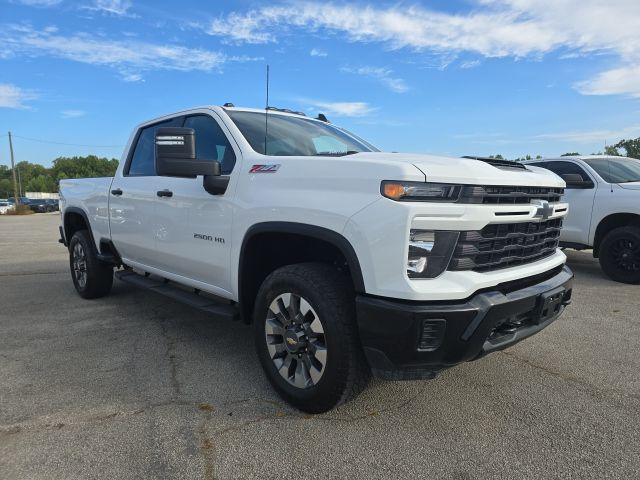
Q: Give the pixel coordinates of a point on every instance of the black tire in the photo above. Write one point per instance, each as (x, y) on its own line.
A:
(98, 276)
(620, 254)
(331, 296)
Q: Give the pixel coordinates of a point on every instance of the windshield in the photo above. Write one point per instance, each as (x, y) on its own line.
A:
(616, 170)
(289, 136)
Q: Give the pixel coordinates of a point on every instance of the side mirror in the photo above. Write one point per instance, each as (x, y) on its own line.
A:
(176, 154)
(575, 180)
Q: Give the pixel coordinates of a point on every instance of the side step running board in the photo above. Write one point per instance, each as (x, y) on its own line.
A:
(201, 302)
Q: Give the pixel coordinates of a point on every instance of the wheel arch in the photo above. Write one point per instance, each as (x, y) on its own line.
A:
(610, 222)
(318, 244)
(75, 219)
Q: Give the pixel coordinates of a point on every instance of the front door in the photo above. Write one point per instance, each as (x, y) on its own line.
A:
(193, 227)
(132, 199)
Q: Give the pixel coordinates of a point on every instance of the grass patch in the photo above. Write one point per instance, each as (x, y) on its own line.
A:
(20, 210)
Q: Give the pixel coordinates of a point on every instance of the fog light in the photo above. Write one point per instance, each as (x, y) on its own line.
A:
(429, 252)
(421, 243)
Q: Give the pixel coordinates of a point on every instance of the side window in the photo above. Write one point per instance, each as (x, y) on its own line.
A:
(560, 168)
(143, 160)
(211, 142)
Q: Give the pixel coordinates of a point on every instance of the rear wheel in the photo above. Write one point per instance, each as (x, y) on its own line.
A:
(620, 254)
(307, 339)
(91, 277)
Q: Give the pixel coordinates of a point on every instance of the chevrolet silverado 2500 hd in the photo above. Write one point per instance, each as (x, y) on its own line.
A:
(348, 261)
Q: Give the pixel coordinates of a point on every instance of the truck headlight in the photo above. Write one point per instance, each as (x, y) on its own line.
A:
(430, 252)
(420, 191)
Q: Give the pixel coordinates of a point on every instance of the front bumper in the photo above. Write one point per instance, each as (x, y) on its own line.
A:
(405, 340)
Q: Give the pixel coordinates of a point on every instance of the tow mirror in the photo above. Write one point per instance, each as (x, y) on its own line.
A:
(575, 180)
(176, 154)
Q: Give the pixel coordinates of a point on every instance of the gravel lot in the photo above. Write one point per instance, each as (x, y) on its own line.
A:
(136, 386)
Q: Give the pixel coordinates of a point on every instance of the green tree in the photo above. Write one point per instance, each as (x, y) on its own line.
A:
(570, 154)
(38, 178)
(81, 167)
(6, 188)
(631, 147)
(611, 150)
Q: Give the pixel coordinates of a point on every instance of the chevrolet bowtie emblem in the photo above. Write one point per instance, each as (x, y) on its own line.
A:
(291, 341)
(544, 210)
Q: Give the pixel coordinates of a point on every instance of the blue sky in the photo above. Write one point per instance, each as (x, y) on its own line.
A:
(481, 77)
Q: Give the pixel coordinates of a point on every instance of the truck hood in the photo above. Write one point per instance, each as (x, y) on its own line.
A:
(468, 171)
(630, 185)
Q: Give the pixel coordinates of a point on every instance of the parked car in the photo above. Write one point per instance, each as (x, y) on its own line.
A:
(604, 197)
(23, 200)
(53, 204)
(39, 205)
(5, 207)
(347, 260)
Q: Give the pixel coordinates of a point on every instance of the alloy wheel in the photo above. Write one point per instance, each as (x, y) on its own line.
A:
(626, 254)
(295, 340)
(80, 265)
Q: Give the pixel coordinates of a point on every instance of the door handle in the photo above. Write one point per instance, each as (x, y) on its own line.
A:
(116, 191)
(164, 193)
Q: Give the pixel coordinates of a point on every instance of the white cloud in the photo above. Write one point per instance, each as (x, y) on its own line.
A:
(341, 109)
(72, 113)
(39, 3)
(383, 75)
(316, 52)
(14, 97)
(132, 77)
(494, 28)
(470, 64)
(114, 7)
(623, 80)
(591, 136)
(129, 57)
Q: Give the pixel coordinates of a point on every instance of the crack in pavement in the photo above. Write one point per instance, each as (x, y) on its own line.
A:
(590, 388)
(206, 443)
(171, 357)
(26, 274)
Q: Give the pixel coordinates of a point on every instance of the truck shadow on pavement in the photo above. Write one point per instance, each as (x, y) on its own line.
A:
(212, 362)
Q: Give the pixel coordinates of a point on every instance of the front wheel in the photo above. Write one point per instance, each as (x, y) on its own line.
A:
(620, 254)
(91, 277)
(307, 339)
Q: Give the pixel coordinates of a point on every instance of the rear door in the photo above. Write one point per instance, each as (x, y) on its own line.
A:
(132, 198)
(577, 224)
(194, 227)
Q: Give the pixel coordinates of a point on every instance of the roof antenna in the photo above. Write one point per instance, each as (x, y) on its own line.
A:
(266, 114)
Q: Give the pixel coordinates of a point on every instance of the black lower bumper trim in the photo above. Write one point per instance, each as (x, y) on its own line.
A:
(393, 331)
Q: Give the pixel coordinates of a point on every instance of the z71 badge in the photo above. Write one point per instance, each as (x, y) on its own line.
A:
(264, 169)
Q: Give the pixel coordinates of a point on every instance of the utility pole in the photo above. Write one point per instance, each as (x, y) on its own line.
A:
(19, 181)
(13, 170)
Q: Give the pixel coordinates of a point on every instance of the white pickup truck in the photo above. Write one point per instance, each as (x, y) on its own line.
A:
(348, 261)
(604, 196)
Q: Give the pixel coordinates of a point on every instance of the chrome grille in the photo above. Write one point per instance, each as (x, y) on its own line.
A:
(505, 245)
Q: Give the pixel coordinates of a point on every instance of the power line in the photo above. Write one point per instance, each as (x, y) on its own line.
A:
(66, 144)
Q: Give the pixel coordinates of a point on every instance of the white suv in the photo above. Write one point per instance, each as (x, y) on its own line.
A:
(604, 197)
